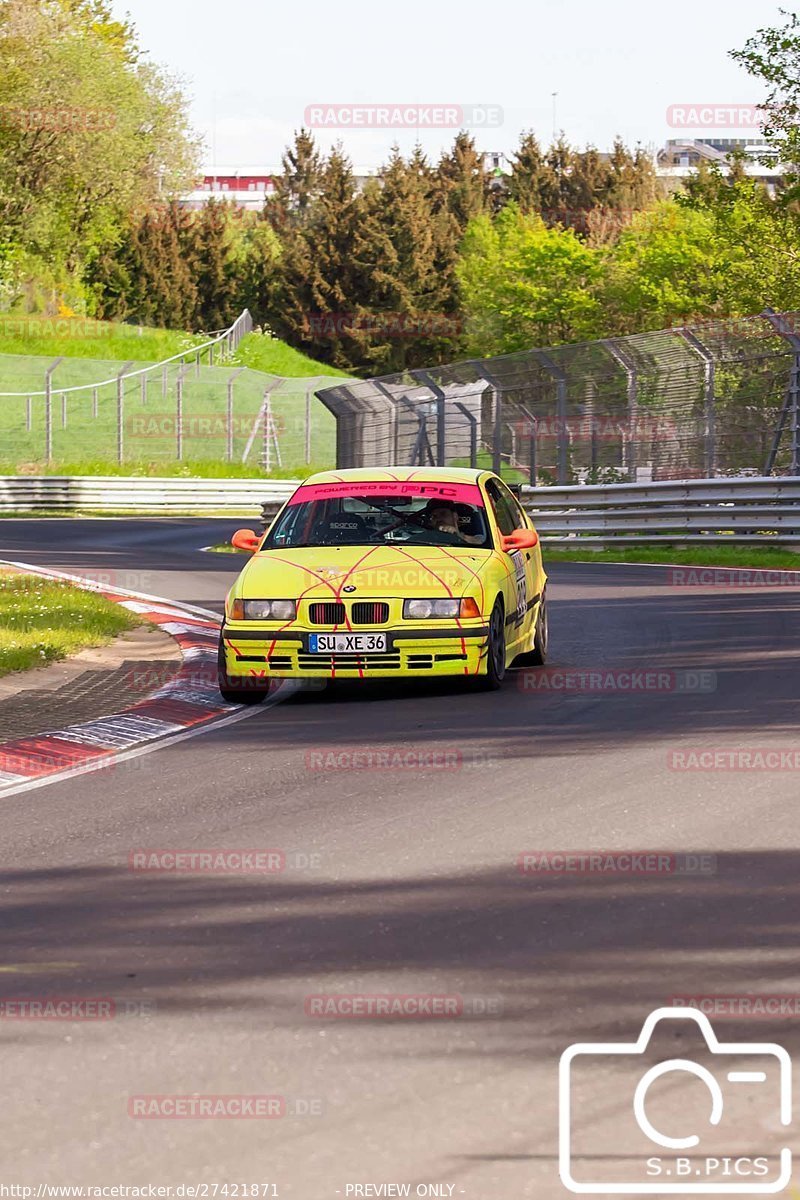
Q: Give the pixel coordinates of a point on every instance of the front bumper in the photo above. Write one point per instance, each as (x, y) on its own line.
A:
(435, 650)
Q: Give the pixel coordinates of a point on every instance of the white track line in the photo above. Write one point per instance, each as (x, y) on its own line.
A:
(283, 692)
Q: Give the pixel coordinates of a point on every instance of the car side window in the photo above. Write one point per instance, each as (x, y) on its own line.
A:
(506, 518)
(515, 506)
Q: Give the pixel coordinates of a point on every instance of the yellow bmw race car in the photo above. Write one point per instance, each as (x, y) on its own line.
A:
(368, 574)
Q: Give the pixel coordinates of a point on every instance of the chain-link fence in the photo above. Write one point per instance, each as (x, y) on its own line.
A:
(195, 407)
(716, 398)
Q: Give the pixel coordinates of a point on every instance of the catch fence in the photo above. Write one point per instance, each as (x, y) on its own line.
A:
(715, 398)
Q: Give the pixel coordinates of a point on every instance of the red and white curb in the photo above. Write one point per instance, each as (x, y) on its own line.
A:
(189, 700)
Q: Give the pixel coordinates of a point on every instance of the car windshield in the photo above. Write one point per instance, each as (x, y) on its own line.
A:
(366, 514)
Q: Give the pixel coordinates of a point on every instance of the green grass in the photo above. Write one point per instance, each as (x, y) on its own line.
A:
(42, 621)
(757, 557)
(83, 337)
(274, 357)
(484, 461)
(168, 468)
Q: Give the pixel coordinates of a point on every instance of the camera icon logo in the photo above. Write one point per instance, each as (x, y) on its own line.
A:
(680, 1126)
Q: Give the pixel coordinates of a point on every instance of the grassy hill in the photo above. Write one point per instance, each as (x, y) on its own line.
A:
(84, 422)
(83, 337)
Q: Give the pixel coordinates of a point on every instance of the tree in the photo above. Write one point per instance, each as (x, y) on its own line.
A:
(317, 294)
(524, 284)
(758, 243)
(665, 269)
(151, 277)
(773, 56)
(257, 269)
(527, 176)
(214, 234)
(407, 300)
(462, 181)
(90, 135)
(299, 183)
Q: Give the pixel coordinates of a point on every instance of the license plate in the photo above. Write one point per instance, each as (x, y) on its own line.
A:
(347, 643)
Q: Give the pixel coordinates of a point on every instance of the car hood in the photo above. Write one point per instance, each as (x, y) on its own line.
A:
(321, 572)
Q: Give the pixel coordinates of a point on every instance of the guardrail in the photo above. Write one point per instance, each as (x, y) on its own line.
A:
(752, 509)
(147, 496)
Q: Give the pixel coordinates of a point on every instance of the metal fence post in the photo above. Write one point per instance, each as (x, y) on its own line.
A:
(121, 412)
(48, 409)
(309, 389)
(619, 355)
(532, 425)
(561, 411)
(395, 402)
(709, 369)
(179, 411)
(791, 404)
(229, 415)
(441, 424)
(497, 391)
(473, 433)
(94, 402)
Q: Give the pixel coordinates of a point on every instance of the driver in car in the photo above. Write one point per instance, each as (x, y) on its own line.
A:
(443, 517)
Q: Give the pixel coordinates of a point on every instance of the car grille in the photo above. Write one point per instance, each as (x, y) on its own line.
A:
(331, 613)
(348, 662)
(362, 612)
(370, 612)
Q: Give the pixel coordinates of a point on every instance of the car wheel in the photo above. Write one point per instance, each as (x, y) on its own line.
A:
(537, 657)
(231, 690)
(495, 650)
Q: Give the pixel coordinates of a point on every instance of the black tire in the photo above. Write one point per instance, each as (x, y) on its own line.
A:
(495, 650)
(231, 690)
(537, 657)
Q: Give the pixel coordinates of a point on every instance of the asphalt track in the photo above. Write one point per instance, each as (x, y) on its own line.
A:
(398, 881)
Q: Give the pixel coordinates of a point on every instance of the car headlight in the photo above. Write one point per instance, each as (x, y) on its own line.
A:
(422, 609)
(263, 610)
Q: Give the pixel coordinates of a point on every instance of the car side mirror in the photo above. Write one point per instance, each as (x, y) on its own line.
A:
(245, 539)
(520, 539)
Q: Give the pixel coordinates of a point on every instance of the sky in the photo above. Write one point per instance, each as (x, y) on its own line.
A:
(253, 69)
